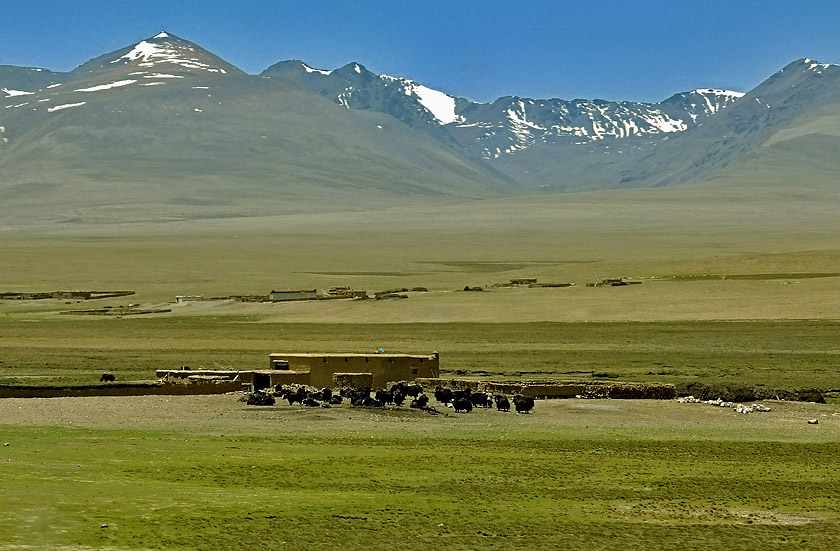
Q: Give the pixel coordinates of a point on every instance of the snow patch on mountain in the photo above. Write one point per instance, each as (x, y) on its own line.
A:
(518, 117)
(440, 105)
(65, 106)
(664, 123)
(714, 99)
(309, 69)
(12, 93)
(116, 84)
(717, 92)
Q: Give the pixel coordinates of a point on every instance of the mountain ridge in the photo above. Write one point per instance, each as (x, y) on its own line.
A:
(165, 130)
(163, 136)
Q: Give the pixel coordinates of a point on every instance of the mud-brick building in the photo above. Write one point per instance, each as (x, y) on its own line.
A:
(383, 367)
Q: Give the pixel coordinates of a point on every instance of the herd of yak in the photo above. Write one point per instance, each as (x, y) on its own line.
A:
(462, 401)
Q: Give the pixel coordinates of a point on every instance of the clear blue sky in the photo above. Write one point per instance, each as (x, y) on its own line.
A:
(642, 50)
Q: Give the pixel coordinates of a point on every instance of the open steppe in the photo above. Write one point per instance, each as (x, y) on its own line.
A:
(758, 241)
(209, 472)
(737, 289)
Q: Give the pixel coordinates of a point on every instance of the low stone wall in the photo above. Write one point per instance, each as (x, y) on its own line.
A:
(561, 389)
(454, 384)
(120, 389)
(552, 391)
(630, 390)
(183, 375)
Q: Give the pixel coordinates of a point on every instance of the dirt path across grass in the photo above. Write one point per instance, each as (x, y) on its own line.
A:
(226, 414)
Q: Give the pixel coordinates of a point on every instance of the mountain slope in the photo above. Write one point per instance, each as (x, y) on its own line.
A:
(163, 130)
(355, 87)
(802, 99)
(169, 136)
(21, 81)
(789, 116)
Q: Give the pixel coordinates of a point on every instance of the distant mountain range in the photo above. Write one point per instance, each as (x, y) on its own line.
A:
(165, 130)
(509, 124)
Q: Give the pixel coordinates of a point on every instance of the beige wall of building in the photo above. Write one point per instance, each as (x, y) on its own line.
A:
(383, 367)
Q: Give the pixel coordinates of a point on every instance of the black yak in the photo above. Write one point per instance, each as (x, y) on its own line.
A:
(480, 399)
(502, 403)
(523, 404)
(420, 402)
(443, 395)
(462, 405)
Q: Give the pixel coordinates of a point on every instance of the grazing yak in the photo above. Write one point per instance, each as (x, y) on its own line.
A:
(502, 403)
(420, 402)
(322, 395)
(413, 390)
(384, 396)
(107, 378)
(443, 395)
(523, 404)
(462, 405)
(260, 398)
(481, 400)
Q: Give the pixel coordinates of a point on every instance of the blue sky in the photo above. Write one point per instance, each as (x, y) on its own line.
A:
(642, 50)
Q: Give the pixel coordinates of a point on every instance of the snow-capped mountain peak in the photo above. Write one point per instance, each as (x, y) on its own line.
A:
(439, 104)
(166, 49)
(508, 124)
(355, 87)
(164, 53)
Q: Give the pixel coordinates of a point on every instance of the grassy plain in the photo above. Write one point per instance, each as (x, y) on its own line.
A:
(793, 354)
(211, 473)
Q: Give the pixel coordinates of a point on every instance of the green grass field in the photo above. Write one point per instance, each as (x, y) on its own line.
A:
(376, 486)
(794, 354)
(82, 474)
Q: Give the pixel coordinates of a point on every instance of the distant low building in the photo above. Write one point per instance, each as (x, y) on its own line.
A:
(523, 281)
(613, 282)
(189, 298)
(344, 291)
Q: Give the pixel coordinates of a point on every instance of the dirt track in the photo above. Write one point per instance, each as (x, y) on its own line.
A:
(225, 413)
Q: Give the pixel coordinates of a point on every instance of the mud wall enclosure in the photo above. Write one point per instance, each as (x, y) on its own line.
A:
(562, 389)
(128, 389)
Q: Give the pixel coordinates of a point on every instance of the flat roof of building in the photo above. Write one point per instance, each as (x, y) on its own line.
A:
(347, 355)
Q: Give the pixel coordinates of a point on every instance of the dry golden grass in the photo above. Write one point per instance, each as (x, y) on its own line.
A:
(576, 239)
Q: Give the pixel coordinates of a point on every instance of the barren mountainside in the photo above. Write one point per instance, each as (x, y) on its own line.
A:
(165, 130)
